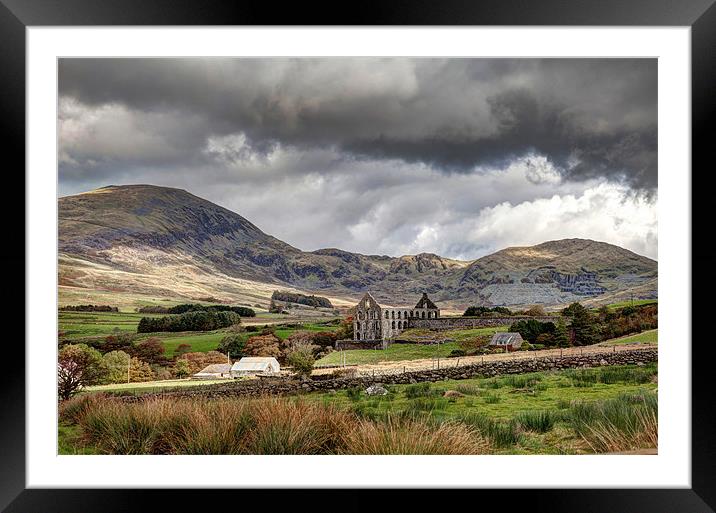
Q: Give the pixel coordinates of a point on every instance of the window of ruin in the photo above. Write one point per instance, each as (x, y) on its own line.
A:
(423, 315)
(392, 325)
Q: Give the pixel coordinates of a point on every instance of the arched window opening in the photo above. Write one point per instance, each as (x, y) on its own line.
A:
(392, 325)
(405, 315)
(392, 314)
(358, 326)
(423, 315)
(398, 315)
(357, 336)
(386, 315)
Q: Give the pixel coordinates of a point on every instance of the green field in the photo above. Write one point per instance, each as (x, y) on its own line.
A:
(77, 326)
(503, 399)
(636, 302)
(97, 324)
(399, 352)
(645, 337)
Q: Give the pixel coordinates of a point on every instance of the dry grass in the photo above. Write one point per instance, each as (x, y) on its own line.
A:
(269, 425)
(412, 436)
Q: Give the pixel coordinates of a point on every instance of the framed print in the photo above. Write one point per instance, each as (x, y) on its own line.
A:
(427, 247)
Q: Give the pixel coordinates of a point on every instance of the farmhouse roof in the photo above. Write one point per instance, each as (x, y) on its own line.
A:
(504, 339)
(255, 363)
(426, 303)
(216, 368)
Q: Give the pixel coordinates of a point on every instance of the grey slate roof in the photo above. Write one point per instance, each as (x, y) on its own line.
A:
(255, 363)
(505, 339)
(216, 368)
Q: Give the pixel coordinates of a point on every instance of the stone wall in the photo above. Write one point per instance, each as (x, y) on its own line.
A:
(361, 344)
(278, 386)
(448, 323)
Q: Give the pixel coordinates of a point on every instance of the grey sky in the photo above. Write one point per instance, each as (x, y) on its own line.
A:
(454, 156)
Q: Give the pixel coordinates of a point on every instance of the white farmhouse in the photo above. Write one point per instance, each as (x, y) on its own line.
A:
(253, 365)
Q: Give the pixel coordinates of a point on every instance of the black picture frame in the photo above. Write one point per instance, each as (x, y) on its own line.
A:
(17, 15)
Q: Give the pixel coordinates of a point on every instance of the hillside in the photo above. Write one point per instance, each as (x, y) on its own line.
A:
(162, 242)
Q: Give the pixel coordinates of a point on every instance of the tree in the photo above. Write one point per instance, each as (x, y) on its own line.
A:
(140, 371)
(78, 365)
(182, 368)
(263, 345)
(150, 351)
(117, 363)
(233, 345)
(345, 331)
(118, 342)
(584, 328)
(302, 361)
(573, 309)
(561, 335)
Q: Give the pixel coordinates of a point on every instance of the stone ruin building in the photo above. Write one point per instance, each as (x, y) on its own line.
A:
(373, 321)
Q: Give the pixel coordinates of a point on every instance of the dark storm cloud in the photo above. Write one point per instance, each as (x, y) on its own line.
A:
(592, 118)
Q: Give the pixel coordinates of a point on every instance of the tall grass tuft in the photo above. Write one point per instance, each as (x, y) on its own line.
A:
(501, 434)
(401, 436)
(538, 421)
(74, 409)
(491, 398)
(420, 390)
(468, 389)
(625, 423)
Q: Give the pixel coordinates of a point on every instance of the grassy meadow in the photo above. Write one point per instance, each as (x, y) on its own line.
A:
(449, 341)
(76, 326)
(575, 411)
(650, 337)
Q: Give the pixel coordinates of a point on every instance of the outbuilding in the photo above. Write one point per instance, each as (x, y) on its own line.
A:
(253, 365)
(509, 341)
(214, 371)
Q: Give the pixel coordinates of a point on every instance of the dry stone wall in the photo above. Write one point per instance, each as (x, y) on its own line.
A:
(448, 323)
(278, 386)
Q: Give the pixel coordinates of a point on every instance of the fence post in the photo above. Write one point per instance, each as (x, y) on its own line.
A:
(438, 363)
(458, 363)
(403, 369)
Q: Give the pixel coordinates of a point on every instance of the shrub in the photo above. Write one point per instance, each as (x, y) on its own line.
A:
(457, 353)
(233, 345)
(302, 362)
(263, 345)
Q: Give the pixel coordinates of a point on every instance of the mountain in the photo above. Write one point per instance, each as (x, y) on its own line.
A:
(157, 241)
